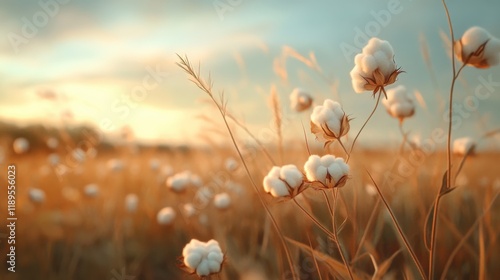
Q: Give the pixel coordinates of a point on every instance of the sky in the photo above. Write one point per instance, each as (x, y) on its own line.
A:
(114, 62)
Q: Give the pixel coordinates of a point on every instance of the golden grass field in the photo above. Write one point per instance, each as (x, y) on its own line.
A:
(399, 211)
(71, 236)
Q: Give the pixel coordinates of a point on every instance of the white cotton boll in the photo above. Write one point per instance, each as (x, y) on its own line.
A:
(193, 259)
(21, 145)
(36, 195)
(203, 258)
(131, 202)
(52, 143)
(318, 169)
(180, 181)
(377, 54)
(399, 103)
(291, 175)
(53, 159)
(165, 216)
(278, 178)
(329, 121)
(311, 166)
(473, 38)
(279, 189)
(300, 100)
(462, 145)
(469, 47)
(91, 190)
(231, 164)
(222, 200)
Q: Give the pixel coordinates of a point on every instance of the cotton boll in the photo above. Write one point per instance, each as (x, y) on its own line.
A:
(91, 190)
(291, 175)
(478, 48)
(21, 145)
(328, 170)
(231, 164)
(222, 201)
(180, 181)
(300, 100)
(165, 216)
(462, 145)
(374, 67)
(328, 121)
(203, 258)
(398, 103)
(37, 195)
(281, 181)
(131, 202)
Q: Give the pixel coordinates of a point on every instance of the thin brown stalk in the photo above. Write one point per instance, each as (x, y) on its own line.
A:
(362, 127)
(261, 146)
(399, 230)
(371, 220)
(313, 219)
(196, 79)
(448, 144)
(336, 239)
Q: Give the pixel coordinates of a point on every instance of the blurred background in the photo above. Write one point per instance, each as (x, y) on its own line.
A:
(111, 64)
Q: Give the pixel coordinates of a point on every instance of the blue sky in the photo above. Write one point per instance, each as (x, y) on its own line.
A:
(96, 54)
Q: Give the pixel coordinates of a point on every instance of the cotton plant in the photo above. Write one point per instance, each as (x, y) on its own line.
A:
(300, 100)
(180, 181)
(478, 48)
(166, 216)
(329, 121)
(461, 146)
(374, 67)
(21, 145)
(222, 201)
(327, 171)
(284, 182)
(230, 164)
(399, 103)
(202, 258)
(36, 195)
(91, 190)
